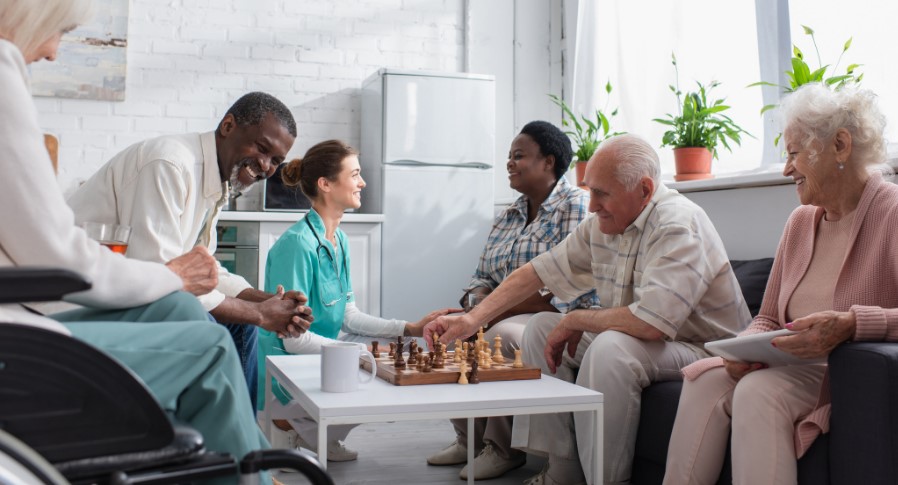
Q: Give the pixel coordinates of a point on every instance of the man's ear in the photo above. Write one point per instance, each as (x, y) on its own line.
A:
(648, 189)
(227, 125)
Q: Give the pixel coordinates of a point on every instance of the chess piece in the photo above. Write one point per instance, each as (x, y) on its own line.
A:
(436, 340)
(420, 362)
(475, 379)
(480, 334)
(497, 355)
(470, 357)
(392, 353)
(428, 364)
(399, 361)
(517, 359)
(463, 370)
(375, 351)
(487, 361)
(412, 353)
(438, 361)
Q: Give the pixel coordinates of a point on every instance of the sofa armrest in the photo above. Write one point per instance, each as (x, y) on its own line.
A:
(864, 421)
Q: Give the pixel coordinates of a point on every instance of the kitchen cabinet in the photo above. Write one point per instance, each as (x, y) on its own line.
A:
(363, 232)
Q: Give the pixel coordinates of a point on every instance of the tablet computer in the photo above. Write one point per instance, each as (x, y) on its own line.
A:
(757, 348)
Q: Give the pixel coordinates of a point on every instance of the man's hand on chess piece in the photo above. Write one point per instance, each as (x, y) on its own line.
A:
(450, 327)
(417, 329)
(559, 338)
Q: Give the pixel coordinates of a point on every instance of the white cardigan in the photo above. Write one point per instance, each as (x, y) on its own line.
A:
(37, 228)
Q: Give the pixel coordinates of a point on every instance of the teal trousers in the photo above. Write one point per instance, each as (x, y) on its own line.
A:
(188, 362)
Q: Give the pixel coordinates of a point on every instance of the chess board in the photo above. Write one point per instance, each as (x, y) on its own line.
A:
(410, 376)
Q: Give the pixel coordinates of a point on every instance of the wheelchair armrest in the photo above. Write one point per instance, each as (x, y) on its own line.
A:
(34, 283)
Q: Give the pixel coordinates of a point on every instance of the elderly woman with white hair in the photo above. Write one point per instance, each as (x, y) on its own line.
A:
(834, 279)
(134, 311)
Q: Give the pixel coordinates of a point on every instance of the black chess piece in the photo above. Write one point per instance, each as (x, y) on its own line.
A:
(399, 361)
(474, 378)
(412, 353)
(428, 363)
(374, 349)
(392, 353)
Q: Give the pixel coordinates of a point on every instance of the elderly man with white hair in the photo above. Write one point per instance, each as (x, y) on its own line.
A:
(665, 285)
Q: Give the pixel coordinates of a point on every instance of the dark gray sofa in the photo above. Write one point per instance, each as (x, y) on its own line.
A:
(862, 445)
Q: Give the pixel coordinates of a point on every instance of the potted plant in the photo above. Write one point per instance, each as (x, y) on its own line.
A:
(801, 73)
(587, 134)
(697, 129)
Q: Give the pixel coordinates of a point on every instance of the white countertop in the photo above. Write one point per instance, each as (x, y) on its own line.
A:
(291, 216)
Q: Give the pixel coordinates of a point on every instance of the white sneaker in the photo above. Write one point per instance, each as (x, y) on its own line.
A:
(489, 464)
(454, 454)
(543, 478)
(336, 450)
(281, 439)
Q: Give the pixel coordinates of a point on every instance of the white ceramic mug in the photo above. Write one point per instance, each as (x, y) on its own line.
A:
(340, 370)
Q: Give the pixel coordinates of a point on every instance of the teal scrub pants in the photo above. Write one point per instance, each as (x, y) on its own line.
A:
(188, 362)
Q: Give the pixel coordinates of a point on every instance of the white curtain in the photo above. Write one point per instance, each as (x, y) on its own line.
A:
(629, 42)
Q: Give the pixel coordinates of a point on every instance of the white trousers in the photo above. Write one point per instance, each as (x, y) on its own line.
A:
(762, 407)
(496, 430)
(613, 363)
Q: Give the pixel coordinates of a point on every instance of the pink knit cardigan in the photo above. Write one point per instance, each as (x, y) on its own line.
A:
(867, 285)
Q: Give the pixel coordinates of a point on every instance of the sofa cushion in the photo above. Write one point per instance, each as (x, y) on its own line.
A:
(752, 277)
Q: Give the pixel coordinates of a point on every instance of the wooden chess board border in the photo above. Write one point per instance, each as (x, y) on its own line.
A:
(449, 374)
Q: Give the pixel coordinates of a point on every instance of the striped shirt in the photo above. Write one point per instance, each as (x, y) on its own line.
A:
(512, 242)
(669, 267)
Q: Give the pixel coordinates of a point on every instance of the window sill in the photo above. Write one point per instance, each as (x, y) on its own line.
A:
(761, 177)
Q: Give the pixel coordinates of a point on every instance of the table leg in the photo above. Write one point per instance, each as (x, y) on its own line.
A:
(471, 451)
(322, 444)
(266, 409)
(598, 467)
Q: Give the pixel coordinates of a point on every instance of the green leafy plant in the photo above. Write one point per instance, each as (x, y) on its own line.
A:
(587, 134)
(699, 122)
(801, 73)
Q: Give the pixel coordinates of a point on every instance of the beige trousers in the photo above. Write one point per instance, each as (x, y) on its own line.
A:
(613, 363)
(762, 407)
(496, 430)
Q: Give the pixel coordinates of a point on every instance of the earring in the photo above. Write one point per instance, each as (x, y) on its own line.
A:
(841, 165)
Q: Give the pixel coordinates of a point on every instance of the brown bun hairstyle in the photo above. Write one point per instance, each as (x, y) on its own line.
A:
(322, 160)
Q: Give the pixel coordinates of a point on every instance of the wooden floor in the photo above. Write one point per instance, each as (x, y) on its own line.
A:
(395, 453)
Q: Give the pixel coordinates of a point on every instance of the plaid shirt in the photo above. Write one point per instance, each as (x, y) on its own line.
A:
(512, 243)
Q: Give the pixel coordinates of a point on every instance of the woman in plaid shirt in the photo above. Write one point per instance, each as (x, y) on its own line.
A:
(546, 212)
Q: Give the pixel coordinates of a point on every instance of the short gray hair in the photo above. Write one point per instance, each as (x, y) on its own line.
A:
(816, 112)
(636, 159)
(30, 23)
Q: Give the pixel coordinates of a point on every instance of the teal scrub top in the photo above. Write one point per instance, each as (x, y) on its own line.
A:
(303, 259)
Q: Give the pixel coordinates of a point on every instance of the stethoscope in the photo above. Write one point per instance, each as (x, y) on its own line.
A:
(330, 256)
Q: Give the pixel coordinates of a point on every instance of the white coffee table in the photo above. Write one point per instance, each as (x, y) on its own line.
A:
(380, 401)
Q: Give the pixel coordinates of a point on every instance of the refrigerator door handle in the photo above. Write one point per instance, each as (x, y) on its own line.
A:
(418, 163)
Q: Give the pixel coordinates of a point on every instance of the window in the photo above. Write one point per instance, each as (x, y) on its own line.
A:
(631, 44)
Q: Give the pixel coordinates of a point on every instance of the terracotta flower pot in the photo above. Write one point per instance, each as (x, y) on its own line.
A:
(693, 163)
(580, 171)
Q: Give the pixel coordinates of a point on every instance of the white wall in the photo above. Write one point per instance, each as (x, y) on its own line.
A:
(188, 60)
(519, 42)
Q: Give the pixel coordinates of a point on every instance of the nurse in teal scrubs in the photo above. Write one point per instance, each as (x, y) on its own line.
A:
(313, 255)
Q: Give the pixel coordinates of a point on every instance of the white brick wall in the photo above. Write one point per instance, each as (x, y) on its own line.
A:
(188, 60)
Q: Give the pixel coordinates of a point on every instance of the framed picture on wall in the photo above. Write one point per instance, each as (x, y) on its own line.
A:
(92, 58)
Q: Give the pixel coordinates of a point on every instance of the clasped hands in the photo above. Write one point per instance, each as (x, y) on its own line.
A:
(286, 313)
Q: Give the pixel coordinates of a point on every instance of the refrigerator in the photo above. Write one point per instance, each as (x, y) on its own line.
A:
(427, 145)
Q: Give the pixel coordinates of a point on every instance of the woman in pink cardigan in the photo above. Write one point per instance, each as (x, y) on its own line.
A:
(834, 279)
